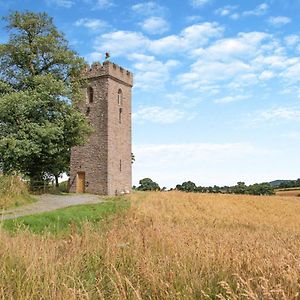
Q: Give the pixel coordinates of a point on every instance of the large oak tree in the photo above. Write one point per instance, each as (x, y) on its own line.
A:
(39, 84)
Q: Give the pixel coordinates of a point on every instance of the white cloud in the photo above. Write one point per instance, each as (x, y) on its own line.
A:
(104, 4)
(222, 64)
(150, 72)
(292, 73)
(199, 3)
(229, 59)
(245, 44)
(275, 62)
(92, 24)
(155, 25)
(61, 3)
(266, 75)
(125, 42)
(292, 40)
(279, 21)
(277, 114)
(149, 8)
(258, 11)
(189, 38)
(230, 11)
(156, 114)
(249, 59)
(206, 72)
(229, 99)
(121, 42)
(227, 10)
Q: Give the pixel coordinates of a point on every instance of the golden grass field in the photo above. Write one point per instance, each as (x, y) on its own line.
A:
(168, 245)
(293, 192)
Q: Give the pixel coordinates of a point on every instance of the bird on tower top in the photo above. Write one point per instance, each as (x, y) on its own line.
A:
(107, 56)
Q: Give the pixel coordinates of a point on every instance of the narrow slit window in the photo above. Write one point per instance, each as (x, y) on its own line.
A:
(120, 165)
(90, 94)
(120, 97)
(120, 115)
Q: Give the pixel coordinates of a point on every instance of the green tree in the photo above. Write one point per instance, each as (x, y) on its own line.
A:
(240, 188)
(178, 187)
(148, 184)
(260, 189)
(189, 186)
(39, 75)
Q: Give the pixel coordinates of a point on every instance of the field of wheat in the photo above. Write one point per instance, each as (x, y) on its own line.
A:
(292, 192)
(168, 245)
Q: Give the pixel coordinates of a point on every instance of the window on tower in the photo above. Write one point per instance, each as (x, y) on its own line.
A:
(120, 115)
(90, 94)
(120, 97)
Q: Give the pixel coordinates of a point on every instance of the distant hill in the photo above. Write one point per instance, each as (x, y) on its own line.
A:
(278, 182)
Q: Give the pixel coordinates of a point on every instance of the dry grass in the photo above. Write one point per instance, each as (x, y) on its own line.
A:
(167, 246)
(293, 192)
(13, 192)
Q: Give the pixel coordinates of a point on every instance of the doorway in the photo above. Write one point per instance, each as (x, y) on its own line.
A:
(80, 182)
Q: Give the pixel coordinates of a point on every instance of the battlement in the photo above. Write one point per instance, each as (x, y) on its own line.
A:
(107, 69)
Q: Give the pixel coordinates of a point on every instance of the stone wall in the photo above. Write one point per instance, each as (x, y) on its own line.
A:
(119, 138)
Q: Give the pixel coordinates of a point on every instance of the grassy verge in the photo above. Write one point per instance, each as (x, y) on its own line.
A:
(67, 219)
(13, 192)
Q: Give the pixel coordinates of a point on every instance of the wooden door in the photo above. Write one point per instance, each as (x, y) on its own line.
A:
(80, 184)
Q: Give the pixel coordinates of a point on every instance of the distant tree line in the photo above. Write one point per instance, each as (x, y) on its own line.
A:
(289, 184)
(265, 188)
(240, 188)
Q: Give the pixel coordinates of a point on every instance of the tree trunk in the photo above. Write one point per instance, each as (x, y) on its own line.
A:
(56, 181)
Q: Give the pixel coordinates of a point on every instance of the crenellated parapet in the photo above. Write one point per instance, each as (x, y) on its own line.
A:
(108, 69)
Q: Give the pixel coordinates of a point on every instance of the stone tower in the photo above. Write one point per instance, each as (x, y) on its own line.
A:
(103, 165)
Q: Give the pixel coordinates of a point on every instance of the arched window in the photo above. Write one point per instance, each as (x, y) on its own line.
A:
(90, 94)
(120, 97)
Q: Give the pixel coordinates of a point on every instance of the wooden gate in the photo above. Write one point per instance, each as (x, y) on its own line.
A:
(80, 183)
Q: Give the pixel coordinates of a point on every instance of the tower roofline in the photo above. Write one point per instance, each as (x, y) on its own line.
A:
(108, 69)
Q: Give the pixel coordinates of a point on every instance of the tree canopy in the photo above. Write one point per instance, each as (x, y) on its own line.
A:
(39, 84)
(148, 184)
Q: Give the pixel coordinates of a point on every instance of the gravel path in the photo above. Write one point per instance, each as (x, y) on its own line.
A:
(49, 203)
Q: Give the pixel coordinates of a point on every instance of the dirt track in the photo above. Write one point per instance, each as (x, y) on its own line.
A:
(49, 203)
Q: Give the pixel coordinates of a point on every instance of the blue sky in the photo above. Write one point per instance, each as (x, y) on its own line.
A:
(216, 97)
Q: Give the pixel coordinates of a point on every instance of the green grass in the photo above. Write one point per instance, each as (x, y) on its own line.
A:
(22, 200)
(62, 221)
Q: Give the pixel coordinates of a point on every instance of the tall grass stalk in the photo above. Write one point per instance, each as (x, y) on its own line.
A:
(13, 191)
(166, 246)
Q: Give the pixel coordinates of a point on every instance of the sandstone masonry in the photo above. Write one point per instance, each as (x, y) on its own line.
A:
(103, 165)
